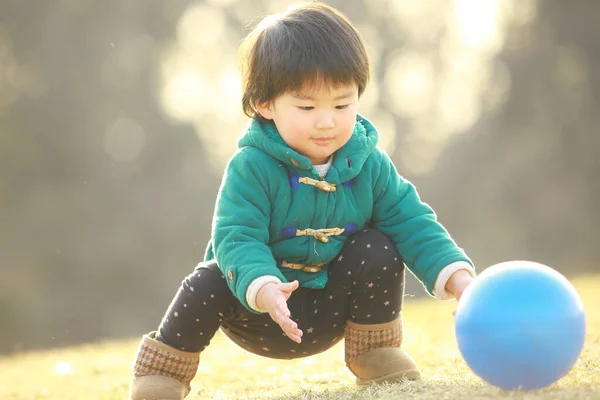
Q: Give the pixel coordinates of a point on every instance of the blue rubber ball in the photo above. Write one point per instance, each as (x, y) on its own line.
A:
(520, 325)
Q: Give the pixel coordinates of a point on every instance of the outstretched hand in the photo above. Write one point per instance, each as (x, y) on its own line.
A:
(273, 297)
(457, 284)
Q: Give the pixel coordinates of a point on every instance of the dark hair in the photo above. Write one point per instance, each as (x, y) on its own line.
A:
(310, 44)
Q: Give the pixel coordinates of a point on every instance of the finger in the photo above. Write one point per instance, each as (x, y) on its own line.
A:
(290, 287)
(288, 326)
(292, 328)
(295, 338)
(294, 334)
(286, 323)
(280, 318)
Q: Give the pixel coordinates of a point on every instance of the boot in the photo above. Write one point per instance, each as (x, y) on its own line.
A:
(373, 353)
(161, 372)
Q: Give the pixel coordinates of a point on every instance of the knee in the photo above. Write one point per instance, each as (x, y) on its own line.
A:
(206, 274)
(373, 245)
(371, 235)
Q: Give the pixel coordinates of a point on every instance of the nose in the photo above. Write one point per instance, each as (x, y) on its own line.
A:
(325, 120)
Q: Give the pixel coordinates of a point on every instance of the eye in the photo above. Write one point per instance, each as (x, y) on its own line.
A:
(343, 107)
(306, 108)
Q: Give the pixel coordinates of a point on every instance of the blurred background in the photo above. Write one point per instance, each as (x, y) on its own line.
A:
(117, 118)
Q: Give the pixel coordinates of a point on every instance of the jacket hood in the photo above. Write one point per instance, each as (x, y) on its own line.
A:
(349, 159)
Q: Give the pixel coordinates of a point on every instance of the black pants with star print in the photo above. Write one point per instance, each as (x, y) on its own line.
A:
(365, 285)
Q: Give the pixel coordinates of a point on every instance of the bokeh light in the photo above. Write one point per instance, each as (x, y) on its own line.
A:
(438, 79)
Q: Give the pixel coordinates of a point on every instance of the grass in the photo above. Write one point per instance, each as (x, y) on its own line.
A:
(101, 371)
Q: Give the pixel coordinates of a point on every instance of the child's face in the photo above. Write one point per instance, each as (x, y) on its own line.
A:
(315, 122)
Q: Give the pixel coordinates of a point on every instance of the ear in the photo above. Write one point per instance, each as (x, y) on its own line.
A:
(265, 109)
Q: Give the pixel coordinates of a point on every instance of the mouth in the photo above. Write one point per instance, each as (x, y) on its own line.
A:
(322, 140)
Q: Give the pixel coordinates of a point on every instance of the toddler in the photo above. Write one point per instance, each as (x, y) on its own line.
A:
(313, 225)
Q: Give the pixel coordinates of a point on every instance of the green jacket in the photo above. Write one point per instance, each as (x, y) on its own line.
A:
(262, 208)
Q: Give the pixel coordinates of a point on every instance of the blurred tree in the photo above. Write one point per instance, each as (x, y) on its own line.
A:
(105, 204)
(528, 185)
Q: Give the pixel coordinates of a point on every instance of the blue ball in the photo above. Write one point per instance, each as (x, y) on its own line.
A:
(520, 325)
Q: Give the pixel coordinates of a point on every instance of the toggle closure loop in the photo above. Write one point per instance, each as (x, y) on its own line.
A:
(321, 185)
(321, 234)
(302, 267)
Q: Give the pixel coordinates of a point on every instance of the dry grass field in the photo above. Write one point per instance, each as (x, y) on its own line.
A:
(100, 371)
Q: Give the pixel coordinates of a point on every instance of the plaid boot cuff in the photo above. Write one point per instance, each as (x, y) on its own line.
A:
(156, 358)
(360, 339)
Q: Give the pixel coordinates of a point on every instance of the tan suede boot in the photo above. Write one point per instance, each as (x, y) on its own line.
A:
(373, 353)
(161, 372)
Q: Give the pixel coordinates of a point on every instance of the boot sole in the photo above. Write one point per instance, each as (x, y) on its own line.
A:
(411, 375)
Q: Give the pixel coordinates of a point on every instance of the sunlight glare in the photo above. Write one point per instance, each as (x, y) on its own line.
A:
(409, 81)
(184, 94)
(63, 368)
(386, 128)
(478, 22)
(204, 367)
(458, 105)
(309, 361)
(202, 24)
(221, 3)
(230, 88)
(421, 20)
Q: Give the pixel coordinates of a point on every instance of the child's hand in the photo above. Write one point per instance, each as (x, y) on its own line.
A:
(273, 297)
(458, 282)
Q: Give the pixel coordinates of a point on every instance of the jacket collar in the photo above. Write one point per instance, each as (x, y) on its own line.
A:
(348, 160)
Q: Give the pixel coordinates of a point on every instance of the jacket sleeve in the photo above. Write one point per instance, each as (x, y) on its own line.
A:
(241, 226)
(398, 212)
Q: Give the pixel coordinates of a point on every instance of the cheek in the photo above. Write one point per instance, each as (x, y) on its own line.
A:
(349, 123)
(286, 123)
(297, 129)
(301, 125)
(294, 119)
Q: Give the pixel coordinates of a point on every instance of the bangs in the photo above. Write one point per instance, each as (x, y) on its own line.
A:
(307, 82)
(307, 58)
